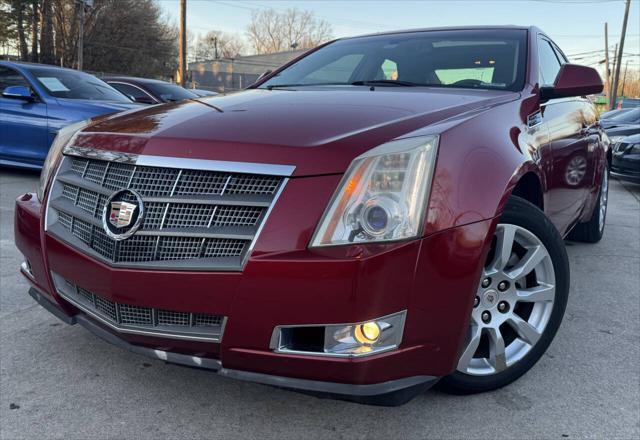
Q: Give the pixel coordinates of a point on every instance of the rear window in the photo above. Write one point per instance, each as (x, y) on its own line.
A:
(484, 58)
(169, 92)
(66, 83)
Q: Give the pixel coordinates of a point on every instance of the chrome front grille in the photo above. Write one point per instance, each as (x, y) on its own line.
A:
(129, 318)
(202, 219)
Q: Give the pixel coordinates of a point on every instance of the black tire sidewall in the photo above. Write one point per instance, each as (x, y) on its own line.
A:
(589, 232)
(521, 213)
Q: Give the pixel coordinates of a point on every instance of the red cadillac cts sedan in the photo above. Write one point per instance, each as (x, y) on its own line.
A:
(383, 213)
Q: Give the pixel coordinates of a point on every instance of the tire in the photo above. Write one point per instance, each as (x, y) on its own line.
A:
(592, 231)
(518, 299)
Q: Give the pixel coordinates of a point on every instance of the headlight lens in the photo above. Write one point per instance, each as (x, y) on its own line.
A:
(63, 137)
(382, 196)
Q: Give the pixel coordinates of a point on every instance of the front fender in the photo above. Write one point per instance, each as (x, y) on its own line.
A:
(479, 163)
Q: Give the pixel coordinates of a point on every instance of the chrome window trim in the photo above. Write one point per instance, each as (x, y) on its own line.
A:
(181, 162)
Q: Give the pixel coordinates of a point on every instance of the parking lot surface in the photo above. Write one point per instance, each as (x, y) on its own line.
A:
(62, 382)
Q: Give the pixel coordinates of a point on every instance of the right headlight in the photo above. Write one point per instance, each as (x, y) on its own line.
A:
(382, 196)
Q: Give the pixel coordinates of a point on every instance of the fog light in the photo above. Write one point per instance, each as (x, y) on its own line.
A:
(343, 340)
(365, 338)
(367, 333)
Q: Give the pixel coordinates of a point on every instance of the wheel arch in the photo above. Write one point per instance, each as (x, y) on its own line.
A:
(529, 187)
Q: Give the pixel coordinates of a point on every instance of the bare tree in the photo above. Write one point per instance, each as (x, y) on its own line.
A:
(216, 44)
(47, 55)
(35, 19)
(8, 31)
(272, 31)
(18, 14)
(130, 37)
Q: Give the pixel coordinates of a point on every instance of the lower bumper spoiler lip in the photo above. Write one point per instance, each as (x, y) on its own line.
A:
(52, 308)
(332, 388)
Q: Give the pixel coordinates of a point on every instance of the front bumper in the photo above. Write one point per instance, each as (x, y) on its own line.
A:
(626, 167)
(331, 388)
(434, 279)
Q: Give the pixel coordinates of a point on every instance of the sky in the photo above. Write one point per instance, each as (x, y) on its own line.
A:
(577, 26)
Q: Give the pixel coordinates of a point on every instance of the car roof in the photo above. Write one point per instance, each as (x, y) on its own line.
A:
(444, 28)
(25, 64)
(133, 79)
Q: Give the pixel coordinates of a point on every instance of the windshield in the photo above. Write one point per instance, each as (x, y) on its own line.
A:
(63, 83)
(169, 92)
(486, 59)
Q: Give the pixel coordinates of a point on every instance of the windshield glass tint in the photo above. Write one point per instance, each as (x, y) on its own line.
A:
(489, 59)
(169, 92)
(75, 85)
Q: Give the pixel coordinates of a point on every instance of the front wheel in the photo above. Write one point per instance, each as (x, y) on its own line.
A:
(519, 304)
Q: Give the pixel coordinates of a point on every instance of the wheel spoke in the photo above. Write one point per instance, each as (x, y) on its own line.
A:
(526, 331)
(504, 245)
(519, 276)
(541, 293)
(497, 357)
(529, 261)
(472, 346)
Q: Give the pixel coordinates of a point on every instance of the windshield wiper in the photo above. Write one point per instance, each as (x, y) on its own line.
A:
(385, 82)
(284, 86)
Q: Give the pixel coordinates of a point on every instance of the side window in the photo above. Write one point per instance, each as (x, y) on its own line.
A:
(560, 55)
(9, 77)
(129, 90)
(549, 64)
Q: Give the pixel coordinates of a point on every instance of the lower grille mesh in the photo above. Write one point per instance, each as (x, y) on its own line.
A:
(127, 316)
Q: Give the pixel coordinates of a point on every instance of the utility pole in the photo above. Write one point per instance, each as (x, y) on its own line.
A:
(624, 78)
(81, 36)
(83, 4)
(607, 83)
(616, 78)
(182, 69)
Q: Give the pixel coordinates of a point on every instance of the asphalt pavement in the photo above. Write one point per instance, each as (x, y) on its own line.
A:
(62, 382)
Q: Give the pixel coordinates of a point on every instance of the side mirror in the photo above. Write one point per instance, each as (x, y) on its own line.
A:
(18, 92)
(573, 80)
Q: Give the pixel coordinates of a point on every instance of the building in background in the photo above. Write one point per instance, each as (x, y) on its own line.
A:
(231, 74)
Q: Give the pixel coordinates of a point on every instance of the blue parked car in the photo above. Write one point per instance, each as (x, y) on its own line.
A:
(37, 100)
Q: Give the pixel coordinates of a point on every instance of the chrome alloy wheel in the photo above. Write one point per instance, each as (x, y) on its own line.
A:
(513, 303)
(604, 198)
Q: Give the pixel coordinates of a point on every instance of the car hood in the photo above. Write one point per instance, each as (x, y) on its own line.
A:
(317, 131)
(622, 130)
